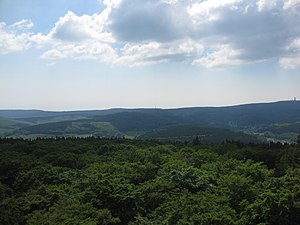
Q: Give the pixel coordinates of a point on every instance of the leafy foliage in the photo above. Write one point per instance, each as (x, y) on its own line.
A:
(100, 181)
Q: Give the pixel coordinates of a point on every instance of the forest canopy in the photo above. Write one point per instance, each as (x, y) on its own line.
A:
(100, 181)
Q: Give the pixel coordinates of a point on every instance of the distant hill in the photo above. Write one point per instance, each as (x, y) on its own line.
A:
(18, 114)
(9, 125)
(278, 120)
(242, 116)
(70, 128)
(141, 119)
(33, 114)
(206, 135)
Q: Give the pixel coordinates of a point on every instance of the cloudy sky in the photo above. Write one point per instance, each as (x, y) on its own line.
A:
(94, 54)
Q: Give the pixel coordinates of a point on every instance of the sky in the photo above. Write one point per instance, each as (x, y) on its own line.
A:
(94, 54)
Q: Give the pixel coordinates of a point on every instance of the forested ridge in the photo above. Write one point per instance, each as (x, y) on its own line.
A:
(119, 181)
(277, 121)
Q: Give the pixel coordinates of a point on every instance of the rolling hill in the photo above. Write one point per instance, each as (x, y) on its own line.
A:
(69, 128)
(278, 120)
(9, 125)
(242, 116)
(141, 119)
(205, 135)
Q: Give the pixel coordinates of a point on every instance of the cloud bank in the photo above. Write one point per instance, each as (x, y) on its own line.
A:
(209, 33)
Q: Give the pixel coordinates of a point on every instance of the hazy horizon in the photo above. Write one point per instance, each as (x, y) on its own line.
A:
(180, 107)
(85, 55)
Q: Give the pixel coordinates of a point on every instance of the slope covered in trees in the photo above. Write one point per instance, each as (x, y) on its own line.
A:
(277, 121)
(205, 135)
(70, 128)
(97, 181)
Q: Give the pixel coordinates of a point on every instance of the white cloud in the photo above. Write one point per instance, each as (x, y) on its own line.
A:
(290, 62)
(294, 46)
(223, 56)
(40, 40)
(291, 3)
(79, 37)
(112, 3)
(53, 54)
(11, 41)
(205, 7)
(134, 32)
(134, 55)
(154, 52)
(266, 4)
(75, 28)
(76, 37)
(95, 51)
(169, 1)
(22, 25)
(259, 29)
(206, 11)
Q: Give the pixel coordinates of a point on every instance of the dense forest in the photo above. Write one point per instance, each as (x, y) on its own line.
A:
(119, 181)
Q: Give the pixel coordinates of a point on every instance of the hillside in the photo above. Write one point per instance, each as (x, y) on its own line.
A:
(9, 125)
(141, 119)
(38, 114)
(69, 128)
(250, 116)
(205, 135)
(278, 120)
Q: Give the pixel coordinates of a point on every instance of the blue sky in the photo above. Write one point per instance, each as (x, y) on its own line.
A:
(93, 54)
